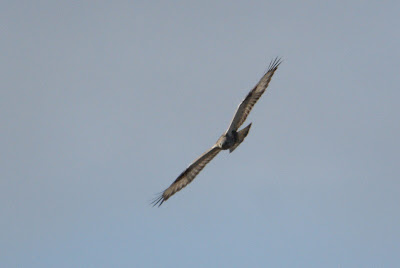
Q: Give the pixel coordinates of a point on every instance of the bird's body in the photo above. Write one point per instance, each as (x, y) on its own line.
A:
(227, 140)
(230, 140)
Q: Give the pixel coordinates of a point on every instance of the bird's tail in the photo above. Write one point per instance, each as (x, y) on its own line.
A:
(241, 135)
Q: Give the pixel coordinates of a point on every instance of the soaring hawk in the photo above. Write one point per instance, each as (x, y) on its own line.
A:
(231, 139)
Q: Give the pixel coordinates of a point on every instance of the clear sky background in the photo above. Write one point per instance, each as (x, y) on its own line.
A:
(104, 103)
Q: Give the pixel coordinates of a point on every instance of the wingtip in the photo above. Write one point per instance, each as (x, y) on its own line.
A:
(158, 200)
(273, 65)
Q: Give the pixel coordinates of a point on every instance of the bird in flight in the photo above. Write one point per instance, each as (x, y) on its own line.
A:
(231, 139)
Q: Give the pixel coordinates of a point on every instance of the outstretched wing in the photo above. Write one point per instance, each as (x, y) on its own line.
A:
(247, 104)
(187, 176)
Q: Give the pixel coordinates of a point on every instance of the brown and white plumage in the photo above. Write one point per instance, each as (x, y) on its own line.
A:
(188, 175)
(254, 95)
(231, 139)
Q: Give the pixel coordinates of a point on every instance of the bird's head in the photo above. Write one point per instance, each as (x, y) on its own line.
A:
(221, 141)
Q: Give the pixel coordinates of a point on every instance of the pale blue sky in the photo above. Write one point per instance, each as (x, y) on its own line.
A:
(103, 104)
